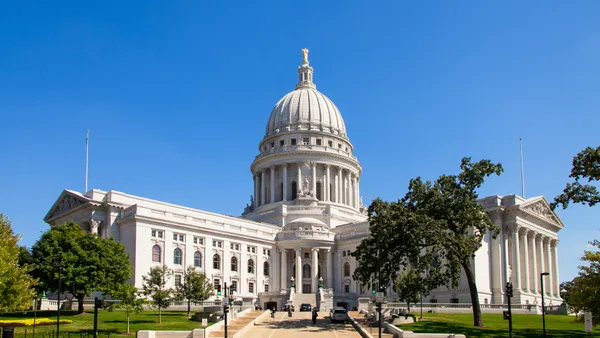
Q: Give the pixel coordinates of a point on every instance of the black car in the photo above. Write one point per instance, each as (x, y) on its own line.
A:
(304, 307)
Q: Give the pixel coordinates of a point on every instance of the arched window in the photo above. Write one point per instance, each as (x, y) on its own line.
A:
(234, 264)
(319, 192)
(294, 190)
(216, 262)
(177, 256)
(156, 253)
(266, 268)
(250, 266)
(198, 259)
(346, 269)
(306, 271)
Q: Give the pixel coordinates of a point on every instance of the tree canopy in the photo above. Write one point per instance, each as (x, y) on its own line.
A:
(87, 262)
(155, 286)
(195, 287)
(130, 302)
(438, 224)
(586, 168)
(16, 292)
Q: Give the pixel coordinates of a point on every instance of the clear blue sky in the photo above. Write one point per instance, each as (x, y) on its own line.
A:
(177, 95)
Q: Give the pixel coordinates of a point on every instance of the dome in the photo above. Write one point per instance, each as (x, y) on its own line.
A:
(306, 108)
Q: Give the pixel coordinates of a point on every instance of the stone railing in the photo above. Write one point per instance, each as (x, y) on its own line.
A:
(306, 147)
(306, 234)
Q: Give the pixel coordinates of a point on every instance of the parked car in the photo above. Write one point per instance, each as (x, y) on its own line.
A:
(339, 314)
(305, 307)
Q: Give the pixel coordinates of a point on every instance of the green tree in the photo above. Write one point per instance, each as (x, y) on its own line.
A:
(16, 285)
(131, 303)
(87, 262)
(440, 224)
(410, 286)
(196, 287)
(583, 292)
(586, 167)
(24, 256)
(155, 286)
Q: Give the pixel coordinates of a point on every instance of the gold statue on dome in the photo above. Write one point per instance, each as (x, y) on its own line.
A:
(305, 54)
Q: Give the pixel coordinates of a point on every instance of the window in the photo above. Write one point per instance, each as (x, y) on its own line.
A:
(330, 143)
(177, 280)
(306, 254)
(157, 233)
(293, 141)
(266, 287)
(346, 149)
(267, 252)
(234, 246)
(177, 256)
(306, 141)
(251, 249)
(346, 269)
(198, 240)
(251, 287)
(234, 264)
(266, 268)
(198, 259)
(318, 141)
(344, 253)
(319, 192)
(218, 244)
(281, 143)
(340, 145)
(306, 271)
(156, 253)
(250, 266)
(217, 285)
(294, 190)
(178, 237)
(272, 145)
(216, 262)
(233, 286)
(347, 288)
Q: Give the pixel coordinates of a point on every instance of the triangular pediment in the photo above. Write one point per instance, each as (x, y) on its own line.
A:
(68, 200)
(540, 207)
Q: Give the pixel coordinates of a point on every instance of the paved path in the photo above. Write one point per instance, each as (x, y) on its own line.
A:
(300, 325)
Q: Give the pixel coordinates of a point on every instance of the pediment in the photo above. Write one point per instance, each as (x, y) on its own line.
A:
(541, 208)
(68, 200)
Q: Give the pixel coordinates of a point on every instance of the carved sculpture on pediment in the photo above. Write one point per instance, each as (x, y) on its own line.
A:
(67, 203)
(542, 210)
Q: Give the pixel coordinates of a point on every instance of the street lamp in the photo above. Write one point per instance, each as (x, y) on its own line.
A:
(59, 266)
(292, 280)
(543, 309)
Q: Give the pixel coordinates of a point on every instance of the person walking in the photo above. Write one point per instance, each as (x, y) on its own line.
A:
(314, 315)
(289, 311)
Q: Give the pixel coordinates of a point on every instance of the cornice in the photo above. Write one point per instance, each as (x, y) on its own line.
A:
(256, 164)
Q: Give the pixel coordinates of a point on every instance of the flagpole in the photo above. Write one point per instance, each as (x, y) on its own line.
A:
(87, 137)
(522, 170)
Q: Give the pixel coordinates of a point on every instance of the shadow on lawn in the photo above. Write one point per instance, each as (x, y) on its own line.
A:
(440, 327)
(130, 322)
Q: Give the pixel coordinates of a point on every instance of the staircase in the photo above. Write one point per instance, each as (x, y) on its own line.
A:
(236, 325)
(302, 298)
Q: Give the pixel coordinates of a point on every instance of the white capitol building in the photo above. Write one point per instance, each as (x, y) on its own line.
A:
(305, 219)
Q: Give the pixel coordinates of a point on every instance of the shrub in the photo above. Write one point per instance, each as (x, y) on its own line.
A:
(29, 322)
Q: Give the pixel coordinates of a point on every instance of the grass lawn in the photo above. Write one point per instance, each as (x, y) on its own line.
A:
(113, 322)
(495, 326)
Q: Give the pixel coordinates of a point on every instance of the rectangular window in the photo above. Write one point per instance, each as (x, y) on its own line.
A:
(251, 287)
(306, 141)
(174, 237)
(198, 240)
(233, 286)
(293, 141)
(340, 145)
(178, 237)
(181, 238)
(251, 249)
(281, 143)
(346, 288)
(234, 246)
(272, 144)
(217, 244)
(344, 253)
(306, 255)
(330, 143)
(177, 280)
(157, 233)
(266, 287)
(318, 141)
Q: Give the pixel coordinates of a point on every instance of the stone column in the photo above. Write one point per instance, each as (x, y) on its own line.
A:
(255, 178)
(283, 282)
(262, 187)
(534, 267)
(516, 260)
(542, 266)
(285, 182)
(298, 270)
(299, 182)
(347, 192)
(274, 274)
(329, 269)
(314, 179)
(315, 269)
(338, 180)
(548, 260)
(272, 184)
(327, 184)
(496, 265)
(358, 191)
(525, 270)
(555, 268)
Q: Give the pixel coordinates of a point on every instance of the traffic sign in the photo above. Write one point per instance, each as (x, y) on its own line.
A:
(204, 322)
(380, 297)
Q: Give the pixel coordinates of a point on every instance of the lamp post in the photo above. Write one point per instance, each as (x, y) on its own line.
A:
(543, 309)
(59, 266)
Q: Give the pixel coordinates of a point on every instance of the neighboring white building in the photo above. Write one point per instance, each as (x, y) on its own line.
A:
(305, 218)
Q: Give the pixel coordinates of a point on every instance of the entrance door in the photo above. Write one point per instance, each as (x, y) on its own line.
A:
(271, 306)
(306, 288)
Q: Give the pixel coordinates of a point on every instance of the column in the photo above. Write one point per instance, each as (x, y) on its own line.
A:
(299, 181)
(542, 266)
(555, 268)
(327, 184)
(275, 270)
(358, 191)
(338, 179)
(283, 282)
(347, 191)
(314, 179)
(315, 269)
(298, 270)
(496, 261)
(353, 191)
(262, 187)
(272, 185)
(534, 269)
(548, 260)
(516, 260)
(285, 182)
(329, 269)
(526, 277)
(255, 178)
